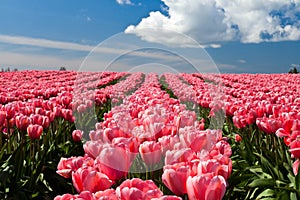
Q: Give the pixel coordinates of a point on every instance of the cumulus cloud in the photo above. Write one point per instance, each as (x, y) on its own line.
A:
(214, 21)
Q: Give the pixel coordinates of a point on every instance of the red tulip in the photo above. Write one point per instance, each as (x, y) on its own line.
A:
(34, 131)
(237, 138)
(2, 117)
(10, 111)
(22, 122)
(90, 179)
(77, 135)
(295, 148)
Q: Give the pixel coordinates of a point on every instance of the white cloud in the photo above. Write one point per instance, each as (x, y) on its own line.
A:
(128, 2)
(216, 21)
(19, 51)
(38, 42)
(242, 61)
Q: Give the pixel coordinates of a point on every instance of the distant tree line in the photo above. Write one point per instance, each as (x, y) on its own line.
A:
(8, 69)
(294, 70)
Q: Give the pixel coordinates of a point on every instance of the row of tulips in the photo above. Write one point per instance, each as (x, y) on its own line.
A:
(272, 109)
(37, 125)
(150, 135)
(259, 108)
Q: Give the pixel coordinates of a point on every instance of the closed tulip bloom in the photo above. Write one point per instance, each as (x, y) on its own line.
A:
(114, 162)
(206, 187)
(77, 135)
(175, 176)
(151, 152)
(237, 138)
(34, 131)
(2, 117)
(22, 122)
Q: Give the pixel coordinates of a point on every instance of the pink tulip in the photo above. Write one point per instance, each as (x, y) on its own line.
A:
(34, 131)
(206, 187)
(138, 189)
(181, 155)
(66, 166)
(151, 152)
(65, 197)
(114, 162)
(10, 111)
(296, 167)
(93, 148)
(269, 126)
(22, 122)
(175, 176)
(108, 194)
(91, 180)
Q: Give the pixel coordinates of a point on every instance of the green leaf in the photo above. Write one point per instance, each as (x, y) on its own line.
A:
(262, 183)
(266, 193)
(297, 180)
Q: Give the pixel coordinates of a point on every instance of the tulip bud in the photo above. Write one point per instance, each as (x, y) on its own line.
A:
(34, 131)
(77, 135)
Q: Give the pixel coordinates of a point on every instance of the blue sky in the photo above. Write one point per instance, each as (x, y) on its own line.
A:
(240, 36)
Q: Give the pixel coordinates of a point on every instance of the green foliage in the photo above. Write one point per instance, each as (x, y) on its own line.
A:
(261, 166)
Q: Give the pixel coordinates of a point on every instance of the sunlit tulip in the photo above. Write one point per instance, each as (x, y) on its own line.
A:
(175, 176)
(138, 189)
(206, 187)
(34, 131)
(90, 179)
(151, 152)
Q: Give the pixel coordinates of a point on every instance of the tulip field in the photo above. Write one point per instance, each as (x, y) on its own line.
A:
(120, 135)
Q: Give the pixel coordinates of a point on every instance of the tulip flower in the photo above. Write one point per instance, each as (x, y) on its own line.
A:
(108, 194)
(91, 180)
(237, 138)
(175, 176)
(206, 187)
(22, 122)
(151, 152)
(114, 161)
(77, 135)
(34, 131)
(2, 117)
(138, 189)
